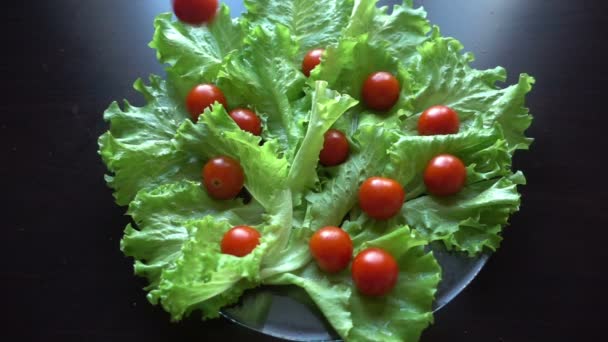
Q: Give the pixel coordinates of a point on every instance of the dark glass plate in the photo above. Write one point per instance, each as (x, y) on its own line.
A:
(287, 312)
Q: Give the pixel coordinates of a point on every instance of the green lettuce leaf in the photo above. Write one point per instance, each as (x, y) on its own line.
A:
(442, 75)
(203, 278)
(217, 134)
(338, 194)
(293, 254)
(346, 66)
(484, 151)
(400, 32)
(195, 54)
(404, 313)
(401, 315)
(327, 107)
(161, 216)
(314, 24)
(139, 149)
(262, 76)
(470, 220)
(330, 294)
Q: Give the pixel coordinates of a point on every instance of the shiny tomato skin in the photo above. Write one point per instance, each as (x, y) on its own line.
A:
(335, 148)
(202, 97)
(247, 120)
(381, 91)
(332, 249)
(381, 198)
(445, 175)
(195, 12)
(311, 60)
(438, 120)
(240, 241)
(223, 177)
(375, 272)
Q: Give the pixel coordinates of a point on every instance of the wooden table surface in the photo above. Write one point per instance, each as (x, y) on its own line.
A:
(63, 278)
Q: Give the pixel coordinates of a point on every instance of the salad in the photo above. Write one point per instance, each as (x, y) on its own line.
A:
(320, 144)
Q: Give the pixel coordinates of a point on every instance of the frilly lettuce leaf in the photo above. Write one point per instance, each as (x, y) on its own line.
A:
(262, 75)
(404, 313)
(161, 216)
(217, 134)
(470, 220)
(338, 194)
(139, 150)
(400, 32)
(331, 294)
(400, 315)
(484, 151)
(195, 55)
(443, 75)
(314, 24)
(202, 277)
(346, 66)
(327, 107)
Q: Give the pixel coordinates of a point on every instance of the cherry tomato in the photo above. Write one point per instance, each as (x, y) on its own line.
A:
(223, 177)
(375, 272)
(335, 148)
(438, 120)
(445, 175)
(247, 120)
(203, 96)
(381, 198)
(195, 12)
(381, 91)
(332, 248)
(240, 241)
(311, 60)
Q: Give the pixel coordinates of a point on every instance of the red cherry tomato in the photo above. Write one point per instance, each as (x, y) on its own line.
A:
(247, 120)
(223, 177)
(381, 91)
(195, 12)
(438, 120)
(203, 96)
(335, 148)
(332, 248)
(311, 60)
(381, 198)
(375, 272)
(445, 175)
(240, 241)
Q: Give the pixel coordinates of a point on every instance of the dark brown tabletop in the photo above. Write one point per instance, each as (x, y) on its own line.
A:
(63, 277)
